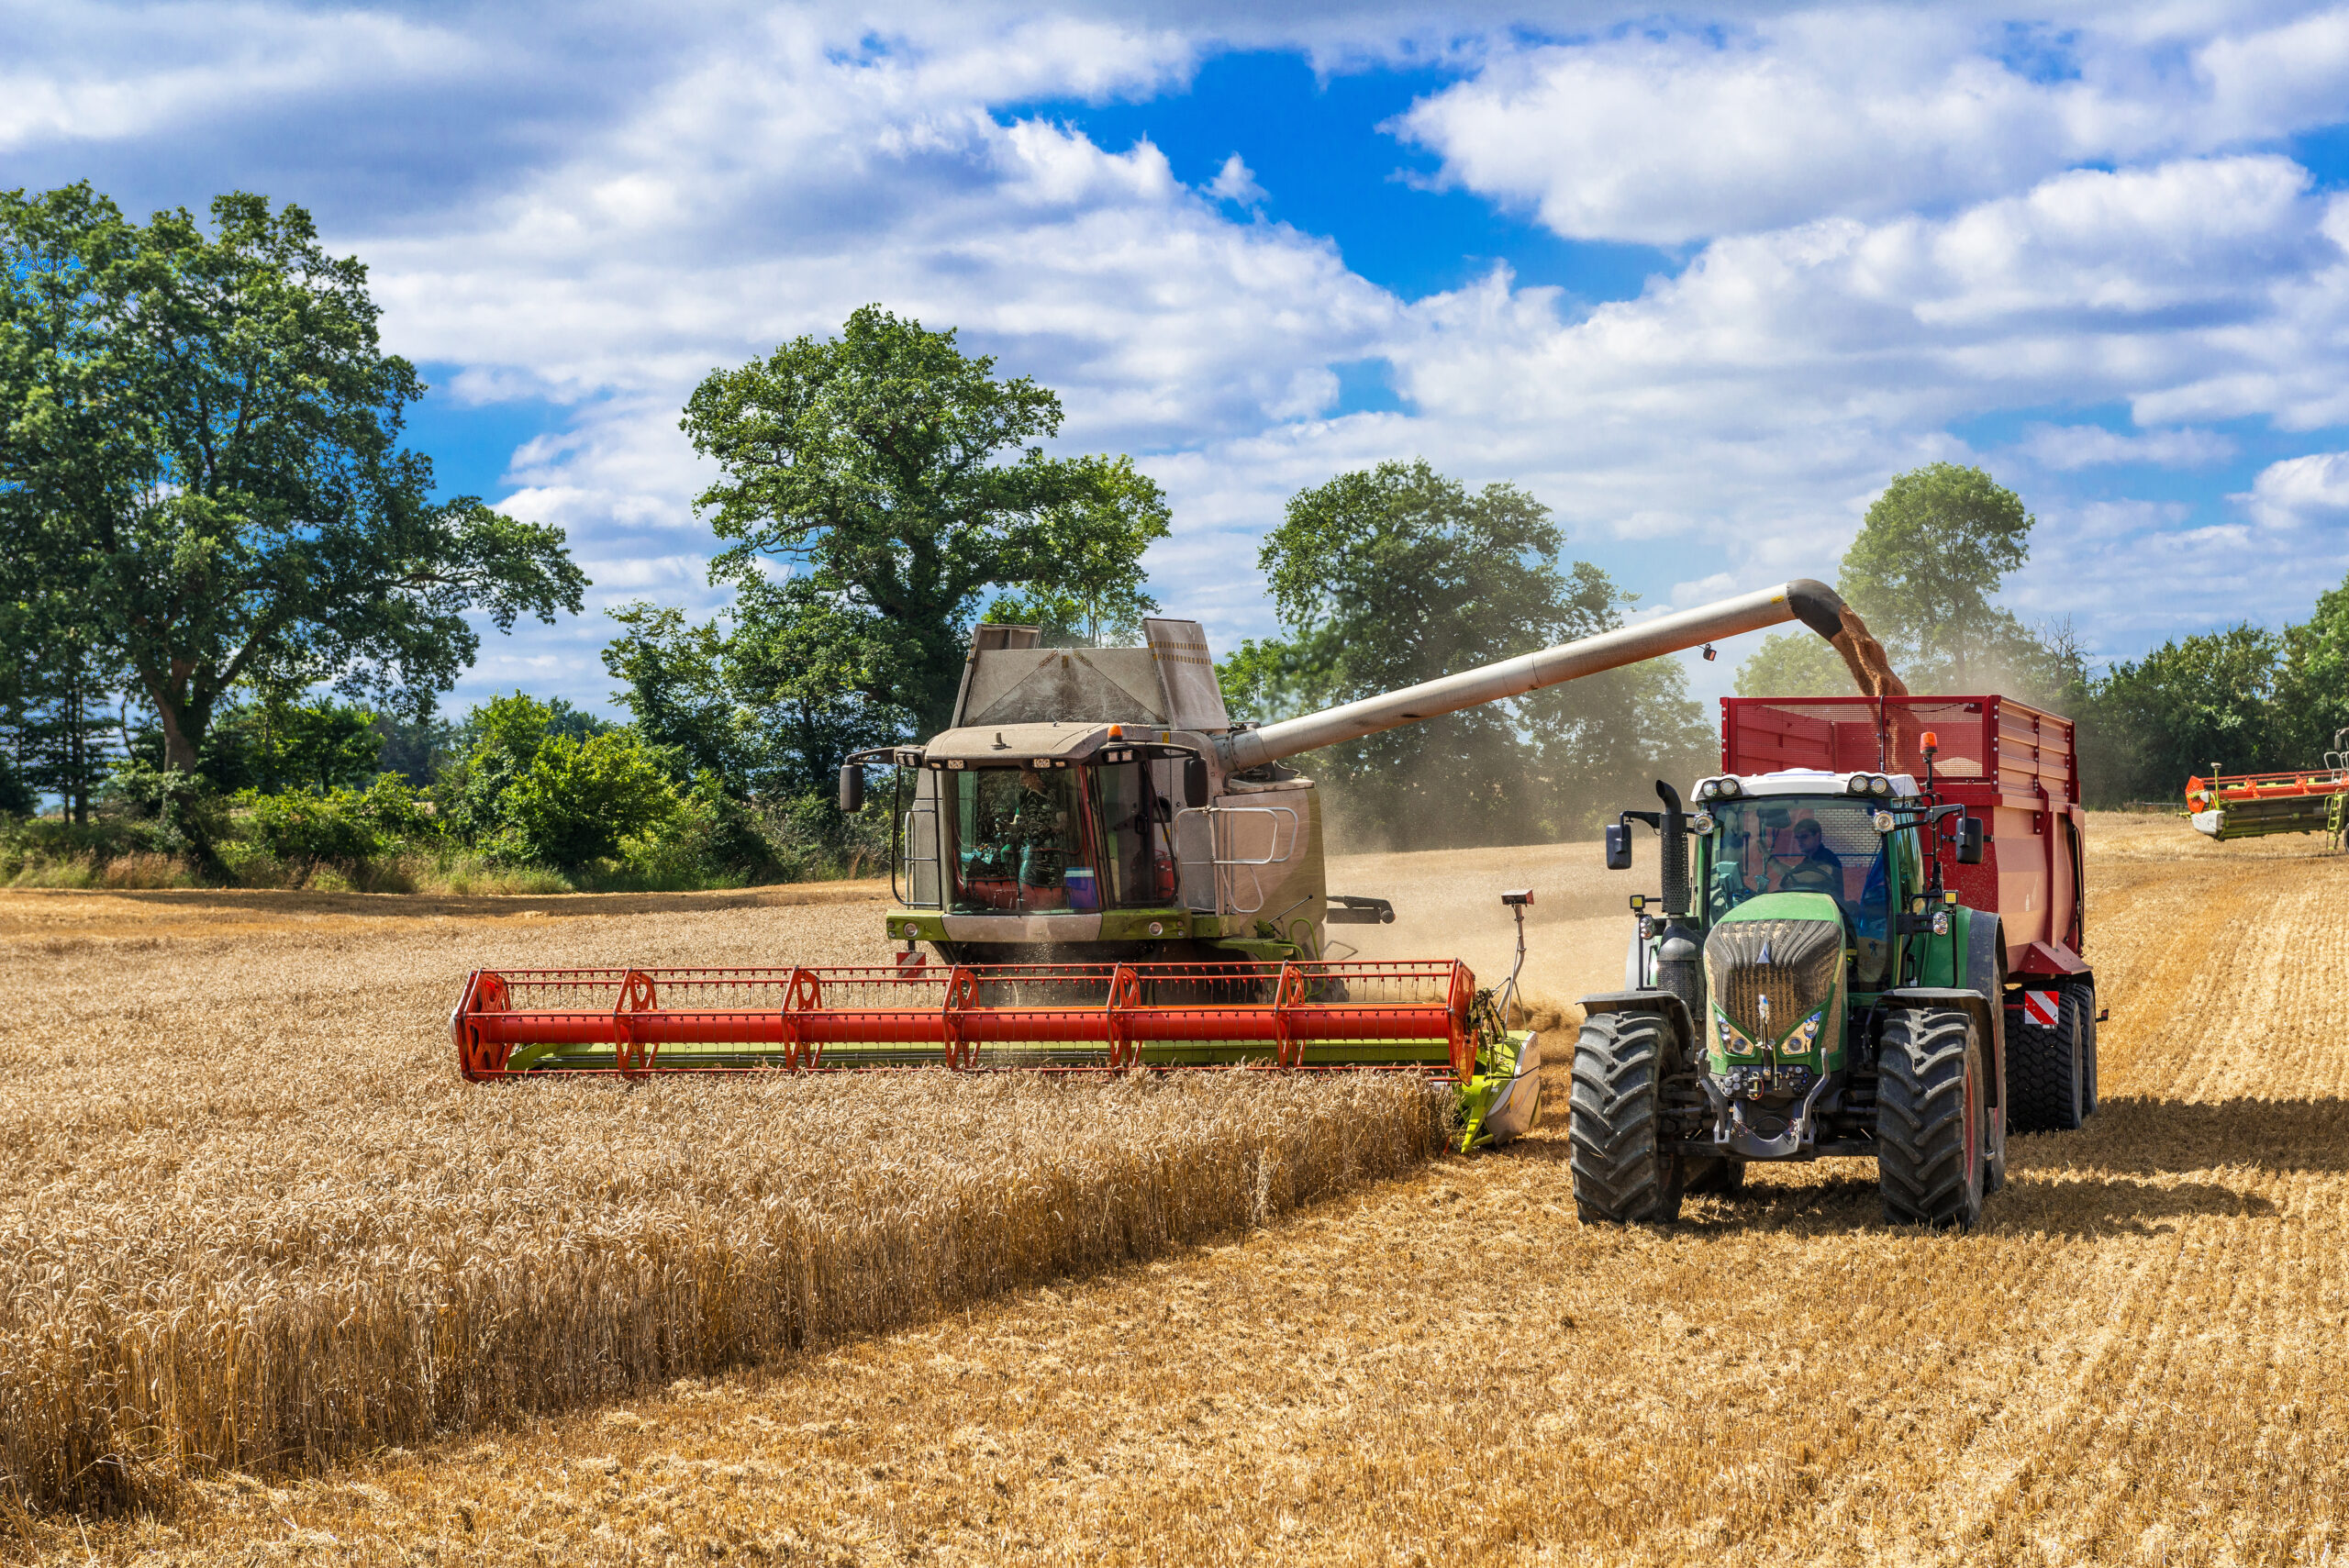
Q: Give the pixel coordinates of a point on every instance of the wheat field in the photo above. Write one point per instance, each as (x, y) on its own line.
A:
(2141, 1357)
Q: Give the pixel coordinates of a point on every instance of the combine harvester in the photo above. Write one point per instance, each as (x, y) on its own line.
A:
(2252, 805)
(1112, 875)
(1868, 943)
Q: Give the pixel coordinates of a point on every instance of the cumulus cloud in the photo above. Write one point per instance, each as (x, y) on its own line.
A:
(2068, 446)
(1889, 223)
(1679, 133)
(2299, 490)
(1235, 181)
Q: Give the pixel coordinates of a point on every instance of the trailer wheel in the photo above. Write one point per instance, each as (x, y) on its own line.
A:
(2043, 1071)
(1621, 1175)
(2079, 1005)
(1929, 1118)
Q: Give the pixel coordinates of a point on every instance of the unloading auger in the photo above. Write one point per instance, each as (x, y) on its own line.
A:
(1111, 876)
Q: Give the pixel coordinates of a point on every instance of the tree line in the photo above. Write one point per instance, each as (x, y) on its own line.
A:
(1930, 557)
(230, 598)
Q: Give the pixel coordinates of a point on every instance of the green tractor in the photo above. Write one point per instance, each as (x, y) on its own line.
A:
(1805, 987)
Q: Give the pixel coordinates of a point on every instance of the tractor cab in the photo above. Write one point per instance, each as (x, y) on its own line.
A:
(1802, 831)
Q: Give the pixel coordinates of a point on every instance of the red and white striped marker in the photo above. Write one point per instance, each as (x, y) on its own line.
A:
(2042, 1008)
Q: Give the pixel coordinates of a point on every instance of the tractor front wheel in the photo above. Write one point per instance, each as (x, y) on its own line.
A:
(1929, 1118)
(1622, 1174)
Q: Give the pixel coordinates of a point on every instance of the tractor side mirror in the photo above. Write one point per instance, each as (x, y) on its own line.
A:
(852, 788)
(1195, 782)
(1619, 848)
(1970, 840)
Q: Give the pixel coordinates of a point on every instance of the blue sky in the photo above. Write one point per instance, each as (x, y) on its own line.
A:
(1701, 280)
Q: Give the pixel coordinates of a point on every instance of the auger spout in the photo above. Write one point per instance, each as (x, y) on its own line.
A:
(1813, 602)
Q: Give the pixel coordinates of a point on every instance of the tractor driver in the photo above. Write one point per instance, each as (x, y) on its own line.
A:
(1813, 867)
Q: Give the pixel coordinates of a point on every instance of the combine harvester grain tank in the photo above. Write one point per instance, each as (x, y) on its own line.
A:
(1112, 874)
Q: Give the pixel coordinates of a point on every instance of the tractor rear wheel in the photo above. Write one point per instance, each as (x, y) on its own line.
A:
(1929, 1118)
(2044, 1070)
(1623, 1175)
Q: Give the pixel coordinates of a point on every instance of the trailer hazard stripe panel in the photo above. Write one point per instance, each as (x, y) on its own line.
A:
(2043, 1007)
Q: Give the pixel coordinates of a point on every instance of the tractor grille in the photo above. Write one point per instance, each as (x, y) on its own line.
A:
(1793, 962)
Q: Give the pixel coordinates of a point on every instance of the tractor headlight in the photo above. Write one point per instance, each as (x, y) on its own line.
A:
(1882, 822)
(1701, 824)
(1858, 784)
(1879, 785)
(1799, 1043)
(1732, 1043)
(1729, 789)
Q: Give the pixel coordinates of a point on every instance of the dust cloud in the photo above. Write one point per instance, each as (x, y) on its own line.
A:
(1448, 904)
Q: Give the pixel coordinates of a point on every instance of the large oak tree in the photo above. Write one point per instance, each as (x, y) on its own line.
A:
(905, 481)
(199, 440)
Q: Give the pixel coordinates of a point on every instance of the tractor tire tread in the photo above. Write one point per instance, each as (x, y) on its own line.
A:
(1922, 1131)
(1620, 1062)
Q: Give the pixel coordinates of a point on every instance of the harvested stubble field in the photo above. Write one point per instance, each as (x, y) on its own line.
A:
(2142, 1357)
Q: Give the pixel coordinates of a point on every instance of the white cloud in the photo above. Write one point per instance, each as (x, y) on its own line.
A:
(2068, 446)
(1682, 133)
(1235, 181)
(2299, 490)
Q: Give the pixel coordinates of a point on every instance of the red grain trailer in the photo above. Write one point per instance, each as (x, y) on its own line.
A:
(2014, 767)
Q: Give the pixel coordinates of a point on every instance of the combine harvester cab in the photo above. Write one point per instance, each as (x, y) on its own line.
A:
(2252, 806)
(1868, 943)
(1110, 875)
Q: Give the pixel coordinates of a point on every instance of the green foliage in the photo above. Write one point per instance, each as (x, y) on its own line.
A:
(1390, 577)
(17, 798)
(1794, 664)
(2193, 704)
(201, 449)
(1930, 553)
(905, 481)
(177, 813)
(2312, 703)
(1095, 542)
(768, 696)
(57, 680)
(302, 830)
(416, 748)
(344, 827)
(273, 744)
(577, 800)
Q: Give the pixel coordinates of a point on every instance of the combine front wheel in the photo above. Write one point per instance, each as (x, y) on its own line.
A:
(1929, 1119)
(1621, 1174)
